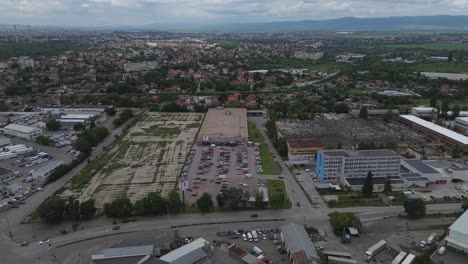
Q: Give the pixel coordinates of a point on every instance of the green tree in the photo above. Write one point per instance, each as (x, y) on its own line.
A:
(119, 207)
(339, 221)
(73, 208)
(174, 203)
(78, 126)
(415, 208)
(152, 204)
(233, 197)
(445, 107)
(341, 108)
(388, 186)
(368, 186)
(456, 152)
(53, 125)
(456, 111)
(52, 210)
(433, 102)
(363, 113)
(43, 140)
(87, 209)
(221, 200)
(110, 111)
(205, 203)
(259, 203)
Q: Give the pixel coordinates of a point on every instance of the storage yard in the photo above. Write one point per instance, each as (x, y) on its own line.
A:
(148, 159)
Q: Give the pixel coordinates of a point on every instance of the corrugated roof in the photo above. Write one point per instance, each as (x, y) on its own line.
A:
(436, 128)
(378, 153)
(421, 166)
(25, 129)
(296, 239)
(191, 250)
(127, 251)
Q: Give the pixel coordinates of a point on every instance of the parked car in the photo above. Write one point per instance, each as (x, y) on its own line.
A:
(441, 250)
(116, 227)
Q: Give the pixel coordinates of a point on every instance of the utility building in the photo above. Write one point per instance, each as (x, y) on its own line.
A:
(457, 235)
(26, 132)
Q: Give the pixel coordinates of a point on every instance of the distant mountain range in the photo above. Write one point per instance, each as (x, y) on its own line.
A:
(412, 23)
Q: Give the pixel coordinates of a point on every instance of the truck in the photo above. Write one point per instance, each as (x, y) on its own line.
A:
(431, 238)
(399, 258)
(375, 249)
(336, 254)
(255, 236)
(28, 179)
(409, 259)
(257, 250)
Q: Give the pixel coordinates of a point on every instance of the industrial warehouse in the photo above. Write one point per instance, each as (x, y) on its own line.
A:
(224, 125)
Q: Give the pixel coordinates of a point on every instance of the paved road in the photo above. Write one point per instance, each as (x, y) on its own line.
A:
(305, 213)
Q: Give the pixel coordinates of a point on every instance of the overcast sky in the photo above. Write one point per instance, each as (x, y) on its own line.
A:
(138, 12)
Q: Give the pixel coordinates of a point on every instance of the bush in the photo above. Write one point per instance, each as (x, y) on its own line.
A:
(339, 221)
(52, 210)
(119, 207)
(415, 208)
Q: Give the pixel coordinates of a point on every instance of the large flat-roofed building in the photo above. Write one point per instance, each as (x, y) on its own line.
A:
(138, 254)
(422, 168)
(457, 235)
(435, 132)
(26, 132)
(224, 125)
(340, 164)
(74, 108)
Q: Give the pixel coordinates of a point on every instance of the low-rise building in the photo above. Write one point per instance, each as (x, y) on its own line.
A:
(457, 235)
(42, 173)
(303, 151)
(422, 168)
(26, 132)
(196, 251)
(423, 111)
(298, 245)
(461, 124)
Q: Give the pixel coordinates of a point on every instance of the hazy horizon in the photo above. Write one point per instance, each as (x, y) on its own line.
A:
(102, 13)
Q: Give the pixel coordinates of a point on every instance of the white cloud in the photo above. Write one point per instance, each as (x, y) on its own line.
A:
(118, 12)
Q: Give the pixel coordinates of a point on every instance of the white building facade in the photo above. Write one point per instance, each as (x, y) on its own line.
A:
(26, 132)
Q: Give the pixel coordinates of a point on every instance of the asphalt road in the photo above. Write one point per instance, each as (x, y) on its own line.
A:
(95, 230)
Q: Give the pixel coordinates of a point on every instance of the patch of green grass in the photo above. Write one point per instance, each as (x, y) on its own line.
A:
(352, 199)
(269, 165)
(114, 166)
(277, 63)
(277, 194)
(431, 46)
(33, 218)
(441, 67)
(156, 130)
(193, 125)
(227, 43)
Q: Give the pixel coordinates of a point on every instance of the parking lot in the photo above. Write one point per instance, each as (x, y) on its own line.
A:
(23, 165)
(214, 168)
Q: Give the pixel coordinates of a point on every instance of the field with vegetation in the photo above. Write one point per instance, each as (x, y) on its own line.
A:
(279, 63)
(269, 165)
(277, 194)
(431, 46)
(37, 49)
(441, 67)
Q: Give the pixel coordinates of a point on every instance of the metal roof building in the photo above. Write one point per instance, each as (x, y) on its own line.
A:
(436, 132)
(26, 132)
(139, 254)
(188, 254)
(423, 169)
(457, 235)
(300, 248)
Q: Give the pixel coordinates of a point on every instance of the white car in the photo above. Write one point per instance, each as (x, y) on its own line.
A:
(44, 241)
(244, 237)
(40, 189)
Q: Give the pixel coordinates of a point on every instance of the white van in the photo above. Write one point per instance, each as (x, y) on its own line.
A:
(249, 235)
(441, 250)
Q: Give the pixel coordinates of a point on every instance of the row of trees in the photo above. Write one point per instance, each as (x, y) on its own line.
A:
(152, 204)
(232, 198)
(55, 209)
(124, 116)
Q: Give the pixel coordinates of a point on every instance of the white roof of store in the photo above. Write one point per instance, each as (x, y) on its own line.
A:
(191, 247)
(77, 116)
(423, 108)
(71, 120)
(436, 128)
(461, 224)
(21, 128)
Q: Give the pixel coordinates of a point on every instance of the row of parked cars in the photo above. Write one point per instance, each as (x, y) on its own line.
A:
(224, 160)
(258, 160)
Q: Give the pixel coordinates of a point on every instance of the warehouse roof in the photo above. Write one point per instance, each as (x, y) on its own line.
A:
(225, 122)
(296, 239)
(305, 143)
(420, 166)
(461, 224)
(436, 128)
(189, 253)
(21, 128)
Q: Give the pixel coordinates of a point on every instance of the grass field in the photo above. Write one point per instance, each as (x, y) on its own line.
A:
(277, 194)
(425, 101)
(441, 67)
(278, 63)
(227, 43)
(269, 165)
(431, 46)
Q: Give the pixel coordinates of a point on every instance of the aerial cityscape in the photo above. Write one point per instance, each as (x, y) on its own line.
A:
(178, 132)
